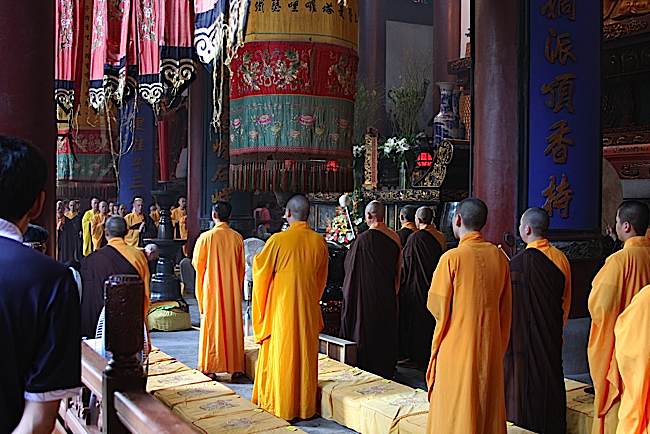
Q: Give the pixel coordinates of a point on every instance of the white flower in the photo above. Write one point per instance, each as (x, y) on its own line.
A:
(358, 151)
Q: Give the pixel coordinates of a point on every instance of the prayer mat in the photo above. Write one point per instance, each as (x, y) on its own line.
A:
(176, 379)
(579, 412)
(286, 430)
(192, 392)
(158, 356)
(513, 429)
(414, 424)
(248, 422)
(166, 367)
(382, 415)
(570, 385)
(327, 366)
(327, 383)
(346, 401)
(221, 406)
(250, 360)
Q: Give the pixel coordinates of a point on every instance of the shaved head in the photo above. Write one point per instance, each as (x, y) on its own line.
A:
(377, 210)
(636, 214)
(408, 213)
(298, 205)
(115, 227)
(425, 215)
(537, 219)
(473, 213)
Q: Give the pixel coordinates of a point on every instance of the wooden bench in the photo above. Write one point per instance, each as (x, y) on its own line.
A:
(113, 398)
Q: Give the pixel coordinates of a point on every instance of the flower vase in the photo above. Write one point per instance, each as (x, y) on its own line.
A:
(457, 133)
(443, 123)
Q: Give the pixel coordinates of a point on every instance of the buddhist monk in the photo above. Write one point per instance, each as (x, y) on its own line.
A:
(621, 278)
(97, 226)
(85, 226)
(470, 298)
(115, 258)
(541, 299)
(154, 213)
(632, 333)
(369, 315)
(407, 220)
(69, 234)
(219, 262)
(289, 277)
(122, 210)
(420, 257)
(179, 220)
(73, 209)
(140, 225)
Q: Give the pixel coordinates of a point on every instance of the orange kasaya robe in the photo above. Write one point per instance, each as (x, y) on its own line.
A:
(621, 278)
(70, 214)
(559, 259)
(179, 218)
(289, 276)
(409, 225)
(439, 236)
(633, 357)
(220, 264)
(471, 300)
(136, 258)
(155, 216)
(97, 230)
(132, 238)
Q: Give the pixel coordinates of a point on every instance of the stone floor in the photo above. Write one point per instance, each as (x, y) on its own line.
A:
(183, 345)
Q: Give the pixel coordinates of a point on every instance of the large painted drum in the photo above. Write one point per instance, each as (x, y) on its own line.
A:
(292, 95)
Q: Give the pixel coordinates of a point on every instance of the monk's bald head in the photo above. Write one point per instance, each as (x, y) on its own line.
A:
(424, 215)
(407, 214)
(115, 227)
(375, 212)
(473, 213)
(537, 220)
(632, 218)
(298, 208)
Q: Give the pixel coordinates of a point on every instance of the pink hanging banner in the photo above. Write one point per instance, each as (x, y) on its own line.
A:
(177, 68)
(66, 51)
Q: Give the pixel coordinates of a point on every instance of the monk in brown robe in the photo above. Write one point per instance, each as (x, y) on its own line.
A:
(633, 357)
(534, 378)
(621, 278)
(115, 258)
(369, 315)
(407, 221)
(470, 298)
(420, 258)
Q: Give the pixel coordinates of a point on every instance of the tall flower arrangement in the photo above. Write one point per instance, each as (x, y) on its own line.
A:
(407, 100)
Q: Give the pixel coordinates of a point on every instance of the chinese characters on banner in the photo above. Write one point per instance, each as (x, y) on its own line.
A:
(325, 7)
(564, 112)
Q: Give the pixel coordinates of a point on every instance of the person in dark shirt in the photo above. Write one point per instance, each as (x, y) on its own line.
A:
(39, 304)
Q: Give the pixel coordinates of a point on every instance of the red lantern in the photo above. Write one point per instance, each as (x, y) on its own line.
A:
(424, 160)
(332, 166)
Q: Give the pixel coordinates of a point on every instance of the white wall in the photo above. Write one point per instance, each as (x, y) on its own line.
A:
(465, 22)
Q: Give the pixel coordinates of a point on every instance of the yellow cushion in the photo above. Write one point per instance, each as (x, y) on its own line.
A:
(176, 379)
(381, 415)
(166, 367)
(247, 422)
(213, 407)
(192, 392)
(327, 383)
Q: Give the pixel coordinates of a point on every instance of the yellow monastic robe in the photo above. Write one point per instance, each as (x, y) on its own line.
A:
(133, 236)
(179, 217)
(471, 299)
(621, 278)
(97, 230)
(559, 259)
(439, 236)
(647, 233)
(633, 357)
(409, 225)
(70, 214)
(289, 277)
(155, 216)
(136, 258)
(219, 262)
(85, 228)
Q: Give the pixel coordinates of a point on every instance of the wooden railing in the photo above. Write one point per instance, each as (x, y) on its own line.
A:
(114, 399)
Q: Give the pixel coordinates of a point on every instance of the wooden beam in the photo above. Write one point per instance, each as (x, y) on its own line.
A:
(142, 413)
(92, 368)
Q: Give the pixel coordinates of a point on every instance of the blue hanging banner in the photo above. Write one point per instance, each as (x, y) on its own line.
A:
(137, 135)
(564, 139)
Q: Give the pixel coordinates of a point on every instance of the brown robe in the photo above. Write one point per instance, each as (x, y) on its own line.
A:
(95, 269)
(534, 379)
(420, 258)
(369, 315)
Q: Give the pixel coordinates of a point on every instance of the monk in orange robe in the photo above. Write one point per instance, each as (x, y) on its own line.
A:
(632, 333)
(289, 277)
(219, 262)
(621, 278)
(470, 298)
(139, 224)
(179, 220)
(97, 226)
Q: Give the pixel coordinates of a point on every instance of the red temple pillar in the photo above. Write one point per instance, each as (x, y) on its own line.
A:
(446, 42)
(496, 117)
(195, 142)
(27, 85)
